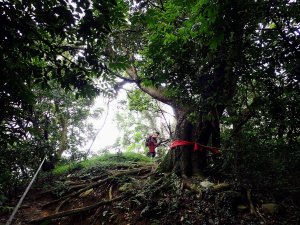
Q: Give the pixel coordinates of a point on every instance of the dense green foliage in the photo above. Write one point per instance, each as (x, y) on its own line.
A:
(256, 41)
(240, 58)
(49, 63)
(45, 45)
(232, 66)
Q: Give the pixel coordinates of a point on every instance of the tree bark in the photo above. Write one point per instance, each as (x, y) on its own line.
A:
(183, 160)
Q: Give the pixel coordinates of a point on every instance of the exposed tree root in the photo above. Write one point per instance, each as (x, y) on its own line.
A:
(78, 192)
(150, 174)
(100, 177)
(99, 182)
(157, 189)
(110, 192)
(252, 208)
(39, 195)
(76, 211)
(221, 186)
(192, 187)
(95, 217)
(76, 187)
(61, 204)
(144, 196)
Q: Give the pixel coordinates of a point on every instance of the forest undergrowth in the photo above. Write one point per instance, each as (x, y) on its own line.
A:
(122, 189)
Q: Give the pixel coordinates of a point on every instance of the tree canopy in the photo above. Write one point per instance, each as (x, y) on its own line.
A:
(49, 66)
(213, 61)
(229, 69)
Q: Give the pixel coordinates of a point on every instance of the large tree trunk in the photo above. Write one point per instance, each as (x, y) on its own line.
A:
(183, 160)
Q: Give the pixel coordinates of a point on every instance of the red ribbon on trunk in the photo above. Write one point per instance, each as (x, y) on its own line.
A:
(197, 146)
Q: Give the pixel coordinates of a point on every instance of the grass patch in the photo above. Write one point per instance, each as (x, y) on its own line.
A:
(107, 159)
(60, 169)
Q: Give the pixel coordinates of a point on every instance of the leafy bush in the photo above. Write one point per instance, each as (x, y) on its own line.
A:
(263, 163)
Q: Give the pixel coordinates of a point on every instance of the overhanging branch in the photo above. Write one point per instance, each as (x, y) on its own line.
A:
(157, 93)
(154, 92)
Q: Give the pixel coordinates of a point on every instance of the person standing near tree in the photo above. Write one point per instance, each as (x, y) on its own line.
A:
(152, 143)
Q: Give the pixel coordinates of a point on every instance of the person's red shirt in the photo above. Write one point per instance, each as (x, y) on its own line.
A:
(152, 144)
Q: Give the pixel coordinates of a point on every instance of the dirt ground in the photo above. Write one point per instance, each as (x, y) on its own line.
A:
(139, 195)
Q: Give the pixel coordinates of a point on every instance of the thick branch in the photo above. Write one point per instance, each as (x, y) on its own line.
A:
(156, 93)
